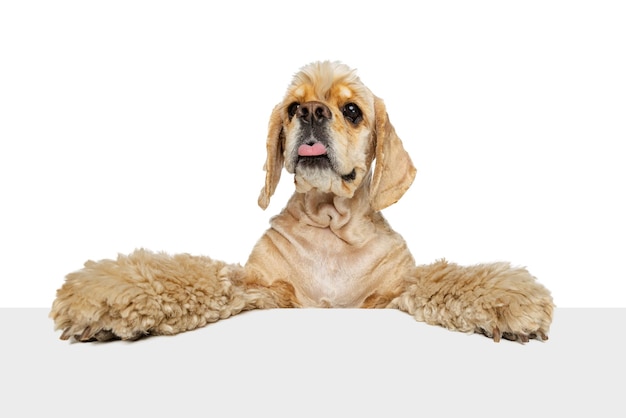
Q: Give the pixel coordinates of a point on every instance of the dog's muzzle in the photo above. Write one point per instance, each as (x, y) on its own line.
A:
(315, 149)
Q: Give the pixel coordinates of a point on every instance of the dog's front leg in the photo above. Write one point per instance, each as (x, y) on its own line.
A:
(496, 299)
(148, 293)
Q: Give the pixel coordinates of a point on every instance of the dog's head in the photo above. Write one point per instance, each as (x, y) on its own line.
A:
(327, 131)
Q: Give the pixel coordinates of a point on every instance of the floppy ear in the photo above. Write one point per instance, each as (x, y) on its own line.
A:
(274, 162)
(394, 171)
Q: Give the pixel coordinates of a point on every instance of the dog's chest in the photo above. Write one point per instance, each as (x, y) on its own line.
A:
(332, 279)
(329, 272)
(335, 265)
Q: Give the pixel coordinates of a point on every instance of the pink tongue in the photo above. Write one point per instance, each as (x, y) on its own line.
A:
(311, 150)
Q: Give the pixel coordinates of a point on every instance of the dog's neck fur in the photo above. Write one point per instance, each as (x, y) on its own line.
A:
(350, 219)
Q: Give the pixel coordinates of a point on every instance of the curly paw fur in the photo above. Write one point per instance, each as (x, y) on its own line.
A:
(148, 293)
(496, 300)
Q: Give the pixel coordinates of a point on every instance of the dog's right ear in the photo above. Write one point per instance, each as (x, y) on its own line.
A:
(275, 159)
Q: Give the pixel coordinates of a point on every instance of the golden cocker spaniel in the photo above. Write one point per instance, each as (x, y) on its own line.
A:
(329, 247)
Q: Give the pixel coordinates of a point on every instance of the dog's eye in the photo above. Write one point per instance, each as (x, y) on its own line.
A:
(292, 109)
(352, 112)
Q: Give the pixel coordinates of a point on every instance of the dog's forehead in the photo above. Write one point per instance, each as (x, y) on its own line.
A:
(328, 81)
(309, 92)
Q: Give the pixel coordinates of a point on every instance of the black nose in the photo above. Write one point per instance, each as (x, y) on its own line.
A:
(313, 112)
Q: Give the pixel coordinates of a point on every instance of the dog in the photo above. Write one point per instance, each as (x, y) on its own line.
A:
(329, 247)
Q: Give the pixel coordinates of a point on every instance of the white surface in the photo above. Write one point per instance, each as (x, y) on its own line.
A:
(128, 124)
(314, 363)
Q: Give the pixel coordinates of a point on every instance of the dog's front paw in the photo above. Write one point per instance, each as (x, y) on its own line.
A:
(505, 324)
(91, 308)
(148, 293)
(513, 306)
(495, 299)
(110, 299)
(88, 321)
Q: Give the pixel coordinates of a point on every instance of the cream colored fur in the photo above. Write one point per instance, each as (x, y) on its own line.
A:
(329, 247)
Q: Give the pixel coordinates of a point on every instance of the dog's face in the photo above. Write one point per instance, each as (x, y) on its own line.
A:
(328, 119)
(327, 131)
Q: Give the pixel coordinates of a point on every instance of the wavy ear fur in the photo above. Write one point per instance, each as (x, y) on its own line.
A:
(394, 171)
(274, 162)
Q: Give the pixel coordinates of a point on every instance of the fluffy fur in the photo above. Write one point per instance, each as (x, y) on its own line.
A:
(329, 247)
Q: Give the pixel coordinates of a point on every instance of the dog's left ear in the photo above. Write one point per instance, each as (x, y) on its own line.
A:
(275, 159)
(394, 171)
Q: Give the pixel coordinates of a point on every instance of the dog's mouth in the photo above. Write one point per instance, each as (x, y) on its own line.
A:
(319, 161)
(315, 156)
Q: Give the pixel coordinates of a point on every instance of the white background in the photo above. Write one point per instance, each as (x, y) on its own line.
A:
(128, 124)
